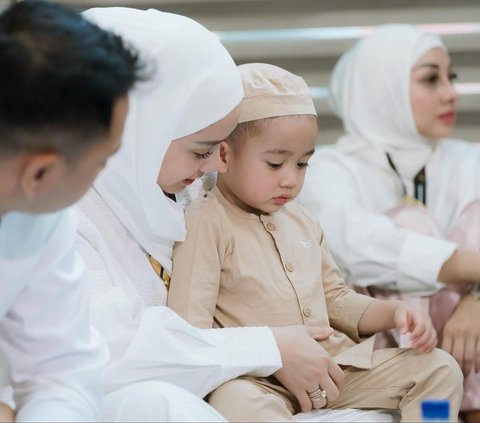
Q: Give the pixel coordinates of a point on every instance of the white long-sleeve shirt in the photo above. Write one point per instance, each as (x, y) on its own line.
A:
(349, 196)
(55, 358)
(147, 340)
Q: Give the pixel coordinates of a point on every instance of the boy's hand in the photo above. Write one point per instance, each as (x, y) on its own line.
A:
(422, 333)
(306, 366)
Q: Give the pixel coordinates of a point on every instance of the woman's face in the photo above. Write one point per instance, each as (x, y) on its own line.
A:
(190, 157)
(433, 96)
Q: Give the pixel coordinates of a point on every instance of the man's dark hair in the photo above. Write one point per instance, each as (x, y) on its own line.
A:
(60, 76)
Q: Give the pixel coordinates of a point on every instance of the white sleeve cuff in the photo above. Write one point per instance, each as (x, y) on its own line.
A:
(252, 351)
(421, 259)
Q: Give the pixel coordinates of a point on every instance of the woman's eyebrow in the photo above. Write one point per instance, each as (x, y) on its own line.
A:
(208, 143)
(427, 65)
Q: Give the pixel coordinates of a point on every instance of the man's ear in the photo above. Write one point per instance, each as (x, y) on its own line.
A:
(225, 156)
(41, 172)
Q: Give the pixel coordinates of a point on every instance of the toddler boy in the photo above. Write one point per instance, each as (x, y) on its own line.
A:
(253, 257)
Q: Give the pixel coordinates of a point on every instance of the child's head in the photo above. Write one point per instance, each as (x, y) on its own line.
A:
(263, 162)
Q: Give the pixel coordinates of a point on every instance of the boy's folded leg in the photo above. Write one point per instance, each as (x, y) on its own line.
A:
(249, 399)
(400, 379)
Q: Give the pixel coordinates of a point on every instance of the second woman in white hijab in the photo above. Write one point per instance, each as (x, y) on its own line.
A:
(394, 93)
(128, 225)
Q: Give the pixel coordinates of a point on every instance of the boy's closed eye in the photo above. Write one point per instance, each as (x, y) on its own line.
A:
(300, 165)
(274, 165)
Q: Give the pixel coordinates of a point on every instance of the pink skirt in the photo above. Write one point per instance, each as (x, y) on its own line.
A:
(466, 234)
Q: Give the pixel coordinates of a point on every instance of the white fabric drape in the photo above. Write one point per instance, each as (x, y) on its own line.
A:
(192, 82)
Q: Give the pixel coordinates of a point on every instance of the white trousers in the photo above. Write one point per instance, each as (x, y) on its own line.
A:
(155, 401)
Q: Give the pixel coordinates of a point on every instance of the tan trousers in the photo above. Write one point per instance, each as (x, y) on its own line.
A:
(399, 379)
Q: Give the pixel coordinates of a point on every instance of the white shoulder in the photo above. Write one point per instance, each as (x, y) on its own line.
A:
(458, 146)
(457, 152)
(23, 234)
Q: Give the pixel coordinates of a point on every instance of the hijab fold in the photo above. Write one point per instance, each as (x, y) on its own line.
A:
(191, 83)
(370, 92)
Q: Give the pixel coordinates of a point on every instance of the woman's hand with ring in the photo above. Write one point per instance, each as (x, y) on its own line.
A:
(318, 397)
(306, 364)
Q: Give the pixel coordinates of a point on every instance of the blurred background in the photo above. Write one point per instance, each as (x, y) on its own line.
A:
(307, 37)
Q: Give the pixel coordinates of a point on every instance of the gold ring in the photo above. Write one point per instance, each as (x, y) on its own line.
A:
(318, 394)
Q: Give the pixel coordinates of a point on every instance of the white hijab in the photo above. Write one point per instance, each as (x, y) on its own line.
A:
(192, 83)
(370, 92)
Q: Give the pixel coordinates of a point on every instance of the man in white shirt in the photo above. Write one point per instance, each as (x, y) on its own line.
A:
(63, 103)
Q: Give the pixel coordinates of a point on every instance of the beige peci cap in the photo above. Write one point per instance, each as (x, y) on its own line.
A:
(271, 91)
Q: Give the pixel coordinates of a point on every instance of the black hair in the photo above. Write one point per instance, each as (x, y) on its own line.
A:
(60, 77)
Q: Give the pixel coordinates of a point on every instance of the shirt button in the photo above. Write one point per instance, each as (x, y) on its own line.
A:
(289, 266)
(307, 312)
(271, 226)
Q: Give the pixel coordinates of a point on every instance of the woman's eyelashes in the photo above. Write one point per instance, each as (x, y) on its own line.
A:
(203, 156)
(434, 78)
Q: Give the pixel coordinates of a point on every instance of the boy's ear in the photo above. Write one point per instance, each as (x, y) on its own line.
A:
(41, 172)
(225, 156)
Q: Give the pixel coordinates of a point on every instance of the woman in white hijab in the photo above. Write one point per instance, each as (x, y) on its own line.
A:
(397, 199)
(128, 225)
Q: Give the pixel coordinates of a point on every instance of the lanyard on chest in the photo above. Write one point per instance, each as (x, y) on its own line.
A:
(160, 271)
(419, 184)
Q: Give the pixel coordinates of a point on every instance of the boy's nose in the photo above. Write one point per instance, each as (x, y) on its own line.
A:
(289, 179)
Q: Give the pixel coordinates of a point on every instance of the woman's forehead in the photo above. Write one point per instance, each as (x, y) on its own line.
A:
(433, 58)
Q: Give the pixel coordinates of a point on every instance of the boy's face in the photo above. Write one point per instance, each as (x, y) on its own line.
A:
(269, 169)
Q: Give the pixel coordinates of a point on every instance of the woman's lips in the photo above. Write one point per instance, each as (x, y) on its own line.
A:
(449, 118)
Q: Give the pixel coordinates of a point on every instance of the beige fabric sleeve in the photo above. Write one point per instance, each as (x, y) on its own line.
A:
(345, 306)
